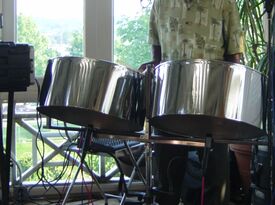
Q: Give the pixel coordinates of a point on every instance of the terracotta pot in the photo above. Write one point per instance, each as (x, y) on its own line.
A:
(243, 157)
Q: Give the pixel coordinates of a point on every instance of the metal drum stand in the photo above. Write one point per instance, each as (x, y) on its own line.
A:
(220, 124)
(149, 198)
(148, 132)
(84, 150)
(96, 94)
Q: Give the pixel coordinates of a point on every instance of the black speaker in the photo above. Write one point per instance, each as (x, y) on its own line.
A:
(16, 66)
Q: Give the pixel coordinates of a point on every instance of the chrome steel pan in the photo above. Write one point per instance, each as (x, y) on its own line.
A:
(94, 93)
(200, 97)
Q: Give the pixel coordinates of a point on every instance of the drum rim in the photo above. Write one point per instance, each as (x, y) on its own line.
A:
(196, 60)
(60, 58)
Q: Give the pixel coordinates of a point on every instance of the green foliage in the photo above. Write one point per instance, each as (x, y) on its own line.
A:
(93, 162)
(251, 15)
(76, 44)
(25, 160)
(28, 32)
(53, 173)
(131, 46)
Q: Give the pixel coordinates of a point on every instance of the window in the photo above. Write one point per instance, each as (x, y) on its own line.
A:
(54, 28)
(63, 27)
(130, 33)
(128, 29)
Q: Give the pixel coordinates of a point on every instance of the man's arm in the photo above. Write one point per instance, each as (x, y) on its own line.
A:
(156, 54)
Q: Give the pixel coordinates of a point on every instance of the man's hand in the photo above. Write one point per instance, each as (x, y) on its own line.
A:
(235, 58)
(143, 66)
(156, 54)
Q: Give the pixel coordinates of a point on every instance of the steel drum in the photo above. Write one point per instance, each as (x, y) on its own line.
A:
(200, 98)
(95, 93)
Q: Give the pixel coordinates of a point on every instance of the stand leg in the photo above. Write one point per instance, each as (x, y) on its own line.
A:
(206, 151)
(135, 169)
(5, 156)
(71, 185)
(97, 183)
(134, 162)
(85, 148)
(148, 164)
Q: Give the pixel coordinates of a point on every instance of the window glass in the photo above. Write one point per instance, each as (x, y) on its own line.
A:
(53, 27)
(130, 32)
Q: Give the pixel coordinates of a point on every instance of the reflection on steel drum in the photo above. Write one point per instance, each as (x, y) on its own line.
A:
(94, 93)
(201, 97)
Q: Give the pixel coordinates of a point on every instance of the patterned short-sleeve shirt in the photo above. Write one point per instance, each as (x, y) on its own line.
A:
(189, 29)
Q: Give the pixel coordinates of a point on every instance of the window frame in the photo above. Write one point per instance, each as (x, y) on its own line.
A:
(98, 35)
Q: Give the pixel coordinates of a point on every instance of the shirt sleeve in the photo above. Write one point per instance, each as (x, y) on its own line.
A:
(153, 37)
(233, 33)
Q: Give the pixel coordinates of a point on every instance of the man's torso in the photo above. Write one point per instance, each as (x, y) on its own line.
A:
(192, 28)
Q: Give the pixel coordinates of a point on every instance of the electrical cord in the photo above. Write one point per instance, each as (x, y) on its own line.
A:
(41, 173)
(19, 168)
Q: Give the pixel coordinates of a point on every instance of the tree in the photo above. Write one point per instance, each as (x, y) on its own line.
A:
(76, 44)
(131, 46)
(29, 33)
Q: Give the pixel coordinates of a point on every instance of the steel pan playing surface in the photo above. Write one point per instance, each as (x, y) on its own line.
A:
(201, 97)
(90, 92)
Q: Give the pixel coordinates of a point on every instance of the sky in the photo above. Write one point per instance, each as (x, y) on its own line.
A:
(59, 9)
(50, 8)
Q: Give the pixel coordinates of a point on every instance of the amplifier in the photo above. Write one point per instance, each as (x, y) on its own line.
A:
(16, 66)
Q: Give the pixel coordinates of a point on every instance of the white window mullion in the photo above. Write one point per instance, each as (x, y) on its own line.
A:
(1, 11)
(98, 31)
(9, 20)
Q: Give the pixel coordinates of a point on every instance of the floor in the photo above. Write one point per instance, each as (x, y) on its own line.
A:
(110, 202)
(85, 202)
(116, 202)
(99, 202)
